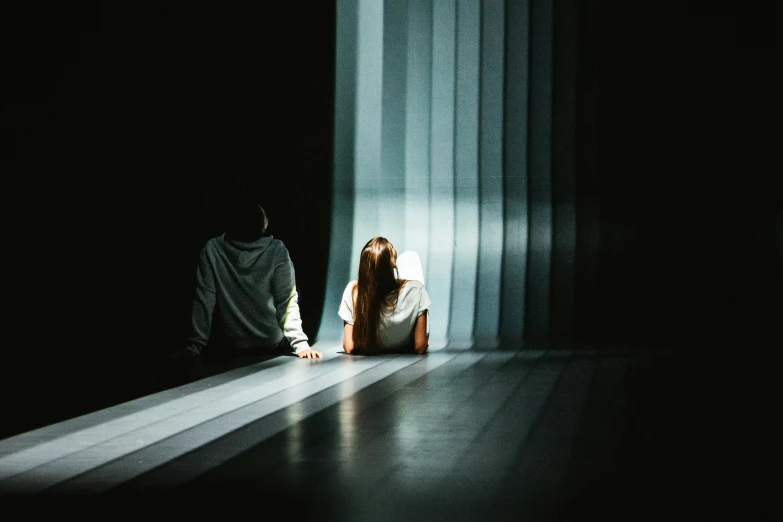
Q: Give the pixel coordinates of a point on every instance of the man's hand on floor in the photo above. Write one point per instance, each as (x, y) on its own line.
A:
(309, 354)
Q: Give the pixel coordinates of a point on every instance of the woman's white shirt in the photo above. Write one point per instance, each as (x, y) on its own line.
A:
(396, 326)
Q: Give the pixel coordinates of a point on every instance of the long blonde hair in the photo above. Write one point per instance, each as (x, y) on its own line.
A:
(377, 286)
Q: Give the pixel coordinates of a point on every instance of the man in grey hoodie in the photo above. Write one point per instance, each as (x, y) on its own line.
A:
(246, 278)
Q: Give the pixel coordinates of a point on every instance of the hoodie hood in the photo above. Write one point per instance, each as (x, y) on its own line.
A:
(244, 255)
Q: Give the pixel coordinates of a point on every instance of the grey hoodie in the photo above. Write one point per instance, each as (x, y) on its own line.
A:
(252, 288)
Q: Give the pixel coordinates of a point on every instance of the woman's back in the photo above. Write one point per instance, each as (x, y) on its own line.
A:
(395, 328)
(384, 310)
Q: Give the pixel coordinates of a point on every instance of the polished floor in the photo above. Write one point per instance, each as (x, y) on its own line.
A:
(555, 434)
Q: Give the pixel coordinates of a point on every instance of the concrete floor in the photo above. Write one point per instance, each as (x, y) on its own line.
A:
(453, 435)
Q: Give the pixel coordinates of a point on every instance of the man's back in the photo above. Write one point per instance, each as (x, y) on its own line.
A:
(251, 287)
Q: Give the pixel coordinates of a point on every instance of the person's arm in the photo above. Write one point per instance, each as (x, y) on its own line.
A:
(347, 337)
(345, 311)
(286, 301)
(420, 336)
(203, 305)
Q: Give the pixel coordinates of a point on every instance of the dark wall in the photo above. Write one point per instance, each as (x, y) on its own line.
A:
(678, 118)
(123, 126)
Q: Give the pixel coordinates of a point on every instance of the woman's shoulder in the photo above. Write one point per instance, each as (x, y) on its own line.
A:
(350, 286)
(412, 286)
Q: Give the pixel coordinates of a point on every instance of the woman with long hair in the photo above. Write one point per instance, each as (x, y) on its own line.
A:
(382, 313)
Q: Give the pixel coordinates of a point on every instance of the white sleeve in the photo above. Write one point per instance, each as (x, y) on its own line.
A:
(346, 305)
(424, 301)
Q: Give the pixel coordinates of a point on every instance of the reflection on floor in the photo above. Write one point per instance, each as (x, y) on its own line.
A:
(456, 434)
